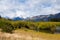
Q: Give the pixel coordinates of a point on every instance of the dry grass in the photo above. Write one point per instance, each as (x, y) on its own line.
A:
(39, 35)
(22, 34)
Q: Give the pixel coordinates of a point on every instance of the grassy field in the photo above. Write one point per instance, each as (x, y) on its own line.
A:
(27, 30)
(21, 34)
(39, 35)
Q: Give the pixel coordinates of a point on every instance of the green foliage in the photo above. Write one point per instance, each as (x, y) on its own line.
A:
(55, 19)
(9, 26)
(6, 26)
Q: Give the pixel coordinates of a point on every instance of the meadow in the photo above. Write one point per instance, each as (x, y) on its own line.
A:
(27, 30)
(9, 26)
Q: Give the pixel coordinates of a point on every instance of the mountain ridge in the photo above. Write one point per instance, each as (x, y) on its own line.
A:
(38, 17)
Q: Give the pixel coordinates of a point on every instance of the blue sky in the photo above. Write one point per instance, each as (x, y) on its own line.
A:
(28, 8)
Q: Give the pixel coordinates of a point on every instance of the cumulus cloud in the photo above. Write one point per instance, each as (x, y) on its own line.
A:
(28, 8)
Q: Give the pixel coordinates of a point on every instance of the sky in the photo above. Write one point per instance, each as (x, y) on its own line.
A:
(28, 8)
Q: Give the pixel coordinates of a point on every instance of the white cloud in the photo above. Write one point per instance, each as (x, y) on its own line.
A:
(26, 8)
(21, 14)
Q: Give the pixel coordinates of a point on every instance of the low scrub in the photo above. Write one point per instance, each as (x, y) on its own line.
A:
(9, 26)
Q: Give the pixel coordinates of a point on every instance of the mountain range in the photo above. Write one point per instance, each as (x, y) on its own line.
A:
(39, 17)
(45, 17)
(18, 18)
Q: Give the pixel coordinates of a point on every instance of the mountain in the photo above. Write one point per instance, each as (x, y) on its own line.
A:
(18, 18)
(55, 17)
(51, 17)
(45, 17)
(39, 18)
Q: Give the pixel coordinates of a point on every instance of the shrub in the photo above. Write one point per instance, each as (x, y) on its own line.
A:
(6, 26)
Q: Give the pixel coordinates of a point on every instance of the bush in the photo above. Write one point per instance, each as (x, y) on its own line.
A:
(6, 26)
